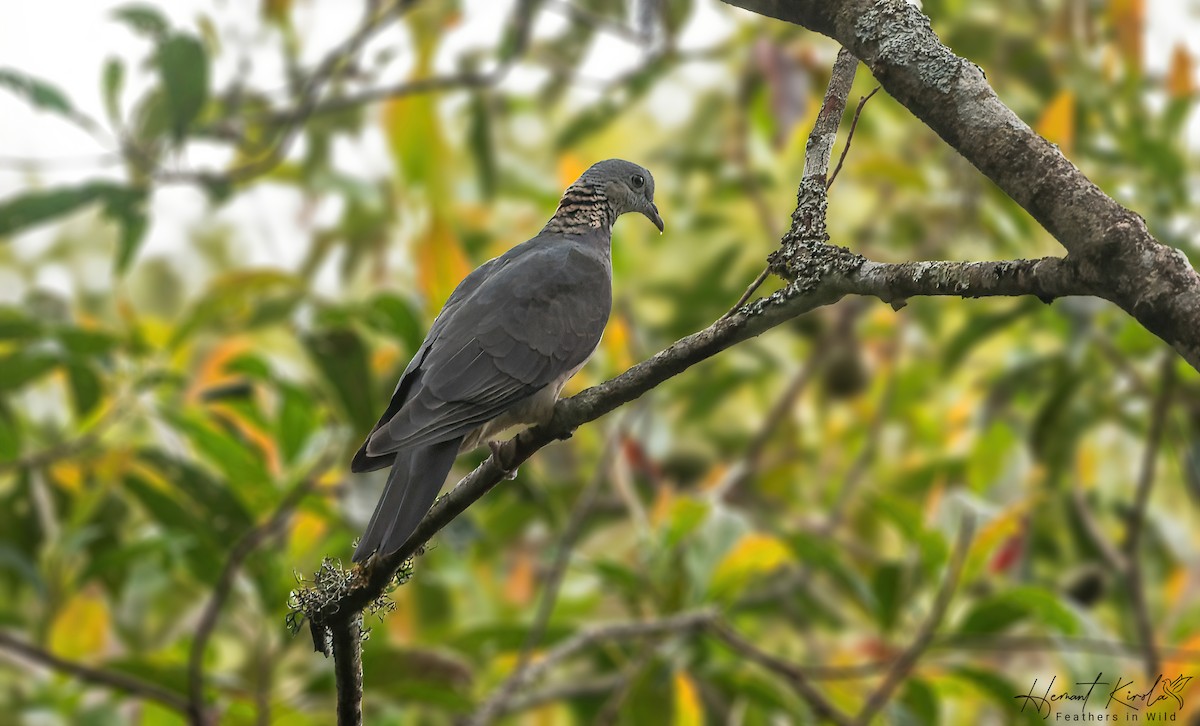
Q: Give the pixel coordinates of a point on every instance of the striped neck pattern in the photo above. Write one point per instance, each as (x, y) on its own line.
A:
(582, 210)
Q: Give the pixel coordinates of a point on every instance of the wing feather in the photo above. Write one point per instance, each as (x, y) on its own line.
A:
(531, 321)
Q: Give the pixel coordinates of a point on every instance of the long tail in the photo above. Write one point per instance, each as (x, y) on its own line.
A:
(412, 486)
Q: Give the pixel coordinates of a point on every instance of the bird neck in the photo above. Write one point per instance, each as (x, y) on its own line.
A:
(582, 210)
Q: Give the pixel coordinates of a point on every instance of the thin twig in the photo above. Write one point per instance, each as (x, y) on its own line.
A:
(751, 460)
(497, 703)
(674, 624)
(850, 136)
(1137, 518)
(796, 676)
(574, 688)
(587, 18)
(819, 148)
(96, 676)
(611, 711)
(245, 547)
(901, 667)
(1112, 556)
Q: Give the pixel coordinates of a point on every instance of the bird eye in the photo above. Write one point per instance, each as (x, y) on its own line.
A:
(638, 181)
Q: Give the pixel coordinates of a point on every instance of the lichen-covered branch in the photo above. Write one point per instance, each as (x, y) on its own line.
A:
(1110, 245)
(346, 638)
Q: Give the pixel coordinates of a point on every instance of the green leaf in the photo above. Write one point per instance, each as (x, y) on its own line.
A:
(1000, 691)
(342, 358)
(996, 613)
(15, 324)
(83, 342)
(977, 329)
(38, 93)
(124, 205)
(129, 211)
(920, 703)
(888, 586)
(26, 210)
(10, 434)
(114, 81)
(223, 511)
(143, 19)
(483, 147)
(24, 366)
(821, 554)
(297, 421)
(182, 65)
(241, 464)
(397, 317)
(86, 388)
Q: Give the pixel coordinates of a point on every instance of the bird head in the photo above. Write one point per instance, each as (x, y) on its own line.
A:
(627, 186)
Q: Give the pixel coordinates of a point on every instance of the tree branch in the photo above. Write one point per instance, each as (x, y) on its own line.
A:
(346, 637)
(793, 674)
(1137, 519)
(245, 547)
(819, 148)
(1110, 246)
(680, 623)
(901, 667)
(828, 274)
(95, 676)
(497, 703)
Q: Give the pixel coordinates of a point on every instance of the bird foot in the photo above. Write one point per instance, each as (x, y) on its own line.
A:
(502, 460)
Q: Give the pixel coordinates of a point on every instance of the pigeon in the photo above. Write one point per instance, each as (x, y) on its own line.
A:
(497, 355)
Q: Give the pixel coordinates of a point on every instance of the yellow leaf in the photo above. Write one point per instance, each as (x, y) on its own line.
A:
(276, 10)
(307, 531)
(1177, 585)
(67, 474)
(753, 556)
(518, 589)
(616, 342)
(1057, 123)
(688, 709)
(664, 500)
(1085, 465)
(1179, 77)
(211, 372)
(570, 168)
(441, 264)
(80, 629)
(715, 476)
(384, 358)
(1185, 667)
(1128, 20)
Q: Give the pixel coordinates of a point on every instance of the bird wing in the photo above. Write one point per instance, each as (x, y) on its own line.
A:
(532, 319)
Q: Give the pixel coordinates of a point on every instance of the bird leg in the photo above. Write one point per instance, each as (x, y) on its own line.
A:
(502, 460)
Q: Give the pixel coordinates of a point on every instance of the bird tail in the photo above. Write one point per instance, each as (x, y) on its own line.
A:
(412, 486)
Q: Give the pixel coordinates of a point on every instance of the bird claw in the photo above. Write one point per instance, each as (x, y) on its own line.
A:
(506, 467)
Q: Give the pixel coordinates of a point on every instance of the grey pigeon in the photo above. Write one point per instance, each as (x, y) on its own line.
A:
(500, 350)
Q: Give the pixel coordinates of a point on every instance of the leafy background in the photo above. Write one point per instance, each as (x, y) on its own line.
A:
(169, 408)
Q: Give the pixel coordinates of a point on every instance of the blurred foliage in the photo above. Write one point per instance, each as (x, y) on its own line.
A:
(153, 417)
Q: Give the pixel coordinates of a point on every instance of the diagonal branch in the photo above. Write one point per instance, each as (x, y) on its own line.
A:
(95, 676)
(1137, 519)
(497, 703)
(795, 675)
(901, 667)
(246, 546)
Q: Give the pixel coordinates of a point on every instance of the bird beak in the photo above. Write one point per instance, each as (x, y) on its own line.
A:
(653, 215)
